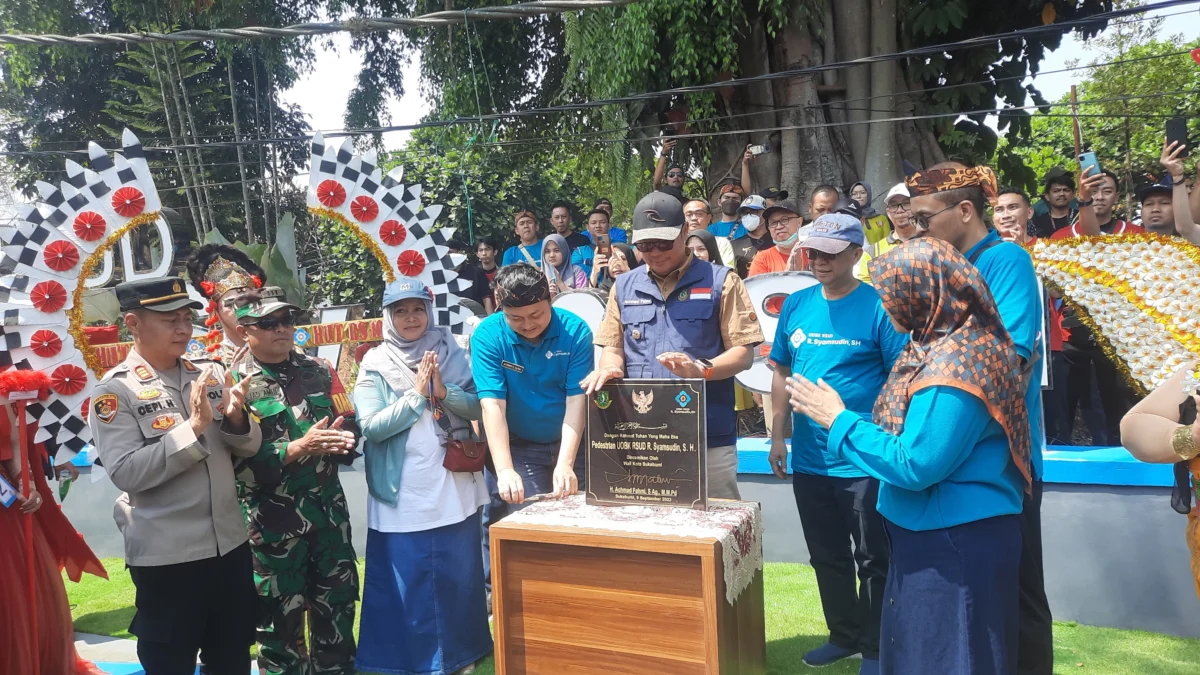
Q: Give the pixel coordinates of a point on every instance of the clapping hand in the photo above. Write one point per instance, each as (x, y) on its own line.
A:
(322, 438)
(202, 413)
(820, 402)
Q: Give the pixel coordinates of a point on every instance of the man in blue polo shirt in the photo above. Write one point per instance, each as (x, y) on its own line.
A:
(528, 248)
(529, 359)
(837, 332)
(948, 202)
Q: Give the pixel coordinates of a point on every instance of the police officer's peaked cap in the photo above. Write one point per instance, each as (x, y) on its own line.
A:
(165, 294)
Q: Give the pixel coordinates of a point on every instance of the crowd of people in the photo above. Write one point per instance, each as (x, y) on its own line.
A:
(925, 537)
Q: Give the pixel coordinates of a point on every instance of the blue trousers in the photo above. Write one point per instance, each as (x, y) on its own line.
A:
(951, 599)
(534, 463)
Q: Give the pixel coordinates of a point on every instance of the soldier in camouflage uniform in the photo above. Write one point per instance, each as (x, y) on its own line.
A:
(295, 509)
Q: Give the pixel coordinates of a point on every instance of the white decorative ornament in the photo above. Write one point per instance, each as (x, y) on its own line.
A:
(388, 218)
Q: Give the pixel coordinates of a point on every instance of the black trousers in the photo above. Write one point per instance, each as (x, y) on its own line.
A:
(204, 607)
(1035, 638)
(1059, 424)
(835, 512)
(1093, 377)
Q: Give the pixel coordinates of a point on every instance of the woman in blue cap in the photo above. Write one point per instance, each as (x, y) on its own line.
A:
(424, 607)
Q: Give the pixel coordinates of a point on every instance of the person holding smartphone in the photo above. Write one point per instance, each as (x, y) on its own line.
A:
(1172, 161)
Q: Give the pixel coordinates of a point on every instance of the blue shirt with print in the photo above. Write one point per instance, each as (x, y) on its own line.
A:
(733, 230)
(614, 234)
(534, 377)
(848, 342)
(1008, 271)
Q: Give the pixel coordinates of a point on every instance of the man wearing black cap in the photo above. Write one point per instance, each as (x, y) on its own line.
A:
(166, 431)
(772, 196)
(677, 316)
(1059, 194)
(1158, 216)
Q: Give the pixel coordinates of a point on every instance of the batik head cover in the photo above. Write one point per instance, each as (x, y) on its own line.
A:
(932, 181)
(958, 339)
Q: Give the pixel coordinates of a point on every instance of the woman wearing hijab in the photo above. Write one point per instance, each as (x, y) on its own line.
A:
(951, 494)
(424, 607)
(563, 274)
(875, 224)
(703, 245)
(622, 260)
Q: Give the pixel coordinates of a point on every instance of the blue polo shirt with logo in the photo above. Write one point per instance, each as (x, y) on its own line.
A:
(848, 342)
(535, 378)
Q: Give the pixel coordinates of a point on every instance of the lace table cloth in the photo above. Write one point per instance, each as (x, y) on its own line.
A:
(737, 525)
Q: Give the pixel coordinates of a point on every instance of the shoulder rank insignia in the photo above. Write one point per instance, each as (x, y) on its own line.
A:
(142, 373)
(190, 367)
(163, 422)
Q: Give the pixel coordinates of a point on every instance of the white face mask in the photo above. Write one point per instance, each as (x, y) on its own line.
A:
(787, 242)
(751, 222)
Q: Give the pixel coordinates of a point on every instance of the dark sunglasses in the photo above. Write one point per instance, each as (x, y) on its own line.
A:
(674, 174)
(922, 222)
(271, 322)
(814, 254)
(662, 245)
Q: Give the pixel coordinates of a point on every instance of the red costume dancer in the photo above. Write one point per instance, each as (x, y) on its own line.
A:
(36, 544)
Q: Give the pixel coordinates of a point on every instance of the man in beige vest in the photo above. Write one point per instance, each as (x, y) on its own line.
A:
(165, 429)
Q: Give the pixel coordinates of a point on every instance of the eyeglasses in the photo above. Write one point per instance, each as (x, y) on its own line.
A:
(899, 208)
(814, 254)
(674, 174)
(781, 222)
(922, 222)
(661, 245)
(271, 322)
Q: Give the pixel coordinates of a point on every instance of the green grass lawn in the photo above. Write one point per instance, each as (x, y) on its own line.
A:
(794, 625)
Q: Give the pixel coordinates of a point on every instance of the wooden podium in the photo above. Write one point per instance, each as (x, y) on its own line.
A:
(583, 600)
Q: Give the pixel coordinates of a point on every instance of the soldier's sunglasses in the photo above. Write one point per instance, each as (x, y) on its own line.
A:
(273, 322)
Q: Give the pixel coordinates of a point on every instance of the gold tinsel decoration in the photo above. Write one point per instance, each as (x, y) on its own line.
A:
(75, 314)
(371, 245)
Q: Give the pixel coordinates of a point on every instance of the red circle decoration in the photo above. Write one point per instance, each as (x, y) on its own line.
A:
(331, 193)
(410, 263)
(68, 379)
(364, 209)
(86, 408)
(90, 226)
(392, 232)
(128, 201)
(45, 343)
(60, 255)
(1196, 54)
(48, 296)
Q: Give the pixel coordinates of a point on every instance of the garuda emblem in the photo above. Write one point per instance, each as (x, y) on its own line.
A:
(642, 400)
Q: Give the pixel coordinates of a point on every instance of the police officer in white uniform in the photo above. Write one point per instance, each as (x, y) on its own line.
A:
(165, 429)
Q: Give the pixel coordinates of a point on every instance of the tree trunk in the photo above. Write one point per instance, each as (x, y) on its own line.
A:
(197, 213)
(262, 162)
(237, 137)
(851, 20)
(808, 155)
(883, 164)
(828, 43)
(753, 60)
(191, 121)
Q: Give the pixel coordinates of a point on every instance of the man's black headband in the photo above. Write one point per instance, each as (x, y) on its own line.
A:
(523, 296)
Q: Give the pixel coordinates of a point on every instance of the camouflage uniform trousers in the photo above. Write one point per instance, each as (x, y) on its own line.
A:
(313, 575)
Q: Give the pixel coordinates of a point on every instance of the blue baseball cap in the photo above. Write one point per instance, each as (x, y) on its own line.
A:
(405, 289)
(832, 233)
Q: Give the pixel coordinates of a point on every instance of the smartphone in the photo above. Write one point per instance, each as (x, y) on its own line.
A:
(760, 149)
(1177, 131)
(1087, 162)
(604, 244)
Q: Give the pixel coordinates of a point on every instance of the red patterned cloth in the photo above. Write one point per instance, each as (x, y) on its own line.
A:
(958, 339)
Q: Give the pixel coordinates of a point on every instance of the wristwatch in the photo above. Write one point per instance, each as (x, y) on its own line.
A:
(706, 366)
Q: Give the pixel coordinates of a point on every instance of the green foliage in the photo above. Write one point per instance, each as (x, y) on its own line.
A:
(345, 273)
(1125, 133)
(279, 264)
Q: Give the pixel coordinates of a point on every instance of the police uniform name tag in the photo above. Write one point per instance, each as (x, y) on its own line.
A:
(646, 444)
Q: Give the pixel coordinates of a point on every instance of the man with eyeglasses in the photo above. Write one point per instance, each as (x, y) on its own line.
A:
(296, 513)
(898, 207)
(757, 237)
(674, 172)
(948, 202)
(783, 229)
(677, 316)
(839, 333)
(698, 215)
